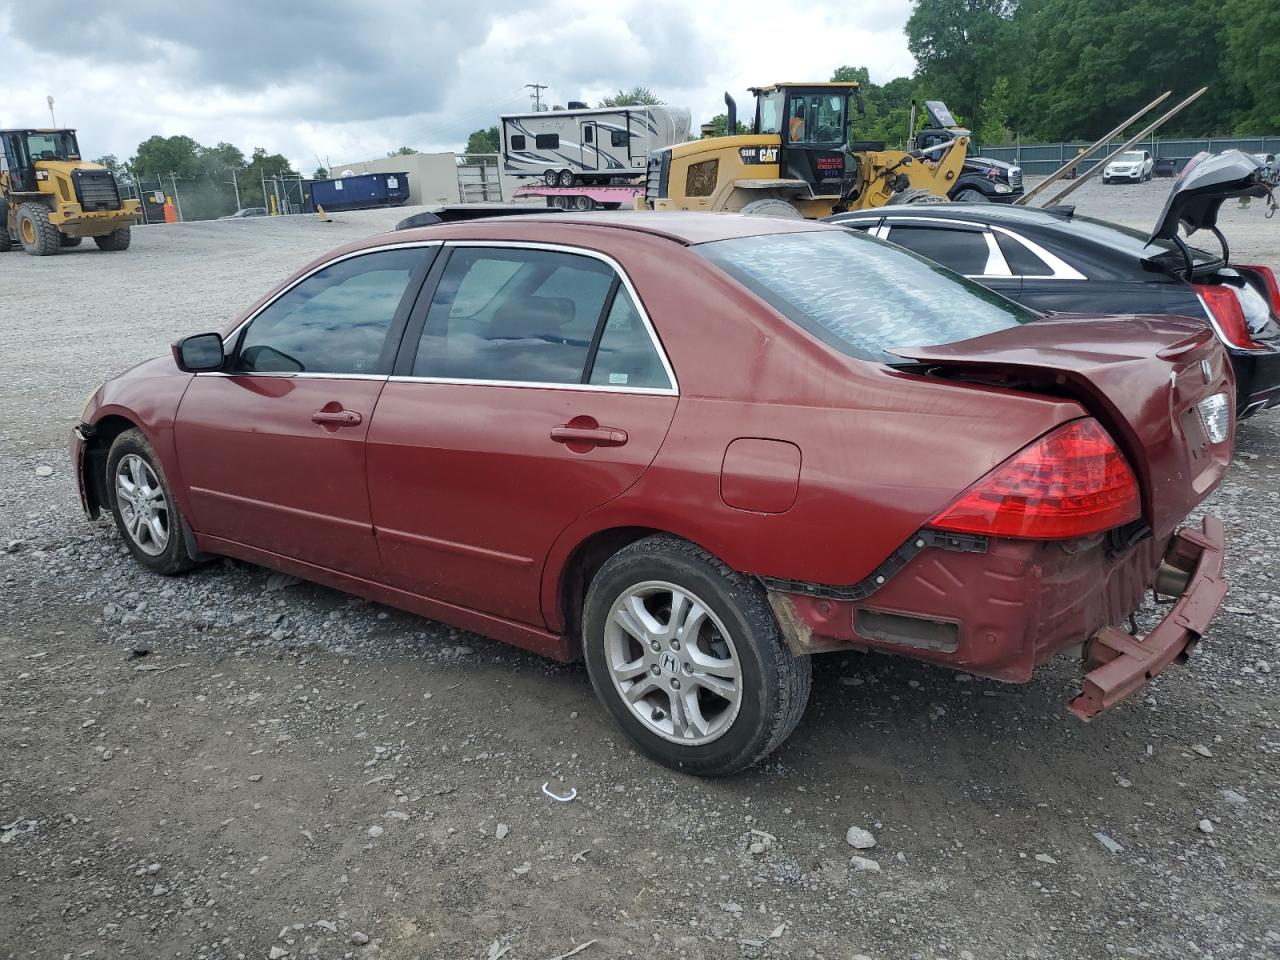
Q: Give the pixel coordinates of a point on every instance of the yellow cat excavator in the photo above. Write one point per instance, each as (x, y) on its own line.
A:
(798, 160)
(50, 198)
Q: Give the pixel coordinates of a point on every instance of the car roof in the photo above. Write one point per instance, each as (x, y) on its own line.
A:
(979, 212)
(683, 227)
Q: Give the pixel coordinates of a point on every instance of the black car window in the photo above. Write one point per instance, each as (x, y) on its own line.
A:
(1022, 262)
(964, 251)
(860, 295)
(626, 356)
(517, 315)
(335, 321)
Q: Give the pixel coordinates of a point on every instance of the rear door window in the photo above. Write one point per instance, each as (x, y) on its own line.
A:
(859, 295)
(514, 315)
(1022, 262)
(964, 251)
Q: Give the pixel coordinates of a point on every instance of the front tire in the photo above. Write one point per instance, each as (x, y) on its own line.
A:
(38, 236)
(143, 506)
(70, 241)
(688, 659)
(115, 240)
(771, 207)
(969, 195)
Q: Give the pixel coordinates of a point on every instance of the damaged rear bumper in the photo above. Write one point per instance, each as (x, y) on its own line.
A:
(1122, 664)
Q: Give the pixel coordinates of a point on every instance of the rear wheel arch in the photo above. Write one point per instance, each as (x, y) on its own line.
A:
(581, 567)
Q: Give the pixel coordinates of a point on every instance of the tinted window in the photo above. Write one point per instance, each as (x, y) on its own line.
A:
(1022, 262)
(859, 295)
(517, 141)
(588, 134)
(964, 251)
(619, 138)
(335, 321)
(547, 141)
(626, 356)
(520, 315)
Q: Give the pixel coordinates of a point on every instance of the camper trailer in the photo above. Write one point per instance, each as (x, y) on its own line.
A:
(581, 145)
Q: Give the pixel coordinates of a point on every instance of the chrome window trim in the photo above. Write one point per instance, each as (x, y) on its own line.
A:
(1061, 269)
(996, 266)
(654, 340)
(296, 376)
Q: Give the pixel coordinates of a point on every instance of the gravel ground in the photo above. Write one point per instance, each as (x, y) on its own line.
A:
(230, 765)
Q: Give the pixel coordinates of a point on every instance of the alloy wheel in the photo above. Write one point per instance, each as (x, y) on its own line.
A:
(144, 509)
(673, 663)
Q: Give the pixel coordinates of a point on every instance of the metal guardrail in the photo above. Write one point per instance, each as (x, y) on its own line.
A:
(1043, 158)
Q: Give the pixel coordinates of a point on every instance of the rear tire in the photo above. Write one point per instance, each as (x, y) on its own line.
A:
(142, 503)
(115, 240)
(70, 241)
(549, 178)
(917, 195)
(969, 195)
(688, 659)
(566, 178)
(772, 207)
(38, 236)
(584, 203)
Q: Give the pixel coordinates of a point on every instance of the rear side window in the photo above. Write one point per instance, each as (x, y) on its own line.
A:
(547, 141)
(964, 251)
(527, 316)
(517, 141)
(1022, 262)
(335, 321)
(859, 295)
(626, 356)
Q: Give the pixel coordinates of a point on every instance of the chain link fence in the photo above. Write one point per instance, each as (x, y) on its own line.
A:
(1043, 158)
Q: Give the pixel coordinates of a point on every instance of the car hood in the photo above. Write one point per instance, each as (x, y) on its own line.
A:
(1205, 182)
(1141, 376)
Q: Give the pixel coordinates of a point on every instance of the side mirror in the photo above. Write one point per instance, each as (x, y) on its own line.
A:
(199, 353)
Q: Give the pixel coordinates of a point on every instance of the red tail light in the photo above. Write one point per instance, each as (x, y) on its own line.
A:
(1228, 315)
(1269, 281)
(1070, 483)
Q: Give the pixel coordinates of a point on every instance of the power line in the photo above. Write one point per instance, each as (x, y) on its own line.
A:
(536, 96)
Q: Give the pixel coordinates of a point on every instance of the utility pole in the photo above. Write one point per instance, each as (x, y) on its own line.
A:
(235, 185)
(51, 116)
(537, 89)
(176, 199)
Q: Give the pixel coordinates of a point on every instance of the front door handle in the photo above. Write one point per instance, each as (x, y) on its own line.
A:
(595, 436)
(337, 418)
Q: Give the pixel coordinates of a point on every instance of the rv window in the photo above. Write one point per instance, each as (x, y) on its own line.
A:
(547, 141)
(517, 141)
(588, 134)
(619, 138)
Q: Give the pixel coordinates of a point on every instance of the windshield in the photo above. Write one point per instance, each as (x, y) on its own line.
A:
(1130, 157)
(861, 295)
(60, 145)
(770, 106)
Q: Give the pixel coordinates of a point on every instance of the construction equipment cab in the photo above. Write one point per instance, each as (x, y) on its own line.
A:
(51, 199)
(799, 160)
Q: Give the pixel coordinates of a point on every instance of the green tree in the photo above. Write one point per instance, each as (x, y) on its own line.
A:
(320, 174)
(635, 97)
(112, 163)
(720, 125)
(1251, 59)
(994, 130)
(960, 45)
(402, 152)
(161, 156)
(484, 141)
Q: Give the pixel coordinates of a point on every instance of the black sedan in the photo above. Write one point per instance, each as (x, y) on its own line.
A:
(1053, 260)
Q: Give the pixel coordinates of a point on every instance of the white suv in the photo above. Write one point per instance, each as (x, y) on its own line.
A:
(1132, 165)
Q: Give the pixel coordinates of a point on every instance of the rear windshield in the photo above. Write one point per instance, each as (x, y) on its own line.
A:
(861, 295)
(1136, 243)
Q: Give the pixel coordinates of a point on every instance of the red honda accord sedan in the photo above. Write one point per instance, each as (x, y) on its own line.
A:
(693, 450)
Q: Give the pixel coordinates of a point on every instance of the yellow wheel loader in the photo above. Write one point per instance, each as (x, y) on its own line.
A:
(798, 161)
(51, 199)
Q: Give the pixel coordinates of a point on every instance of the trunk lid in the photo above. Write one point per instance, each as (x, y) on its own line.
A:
(1205, 182)
(1141, 377)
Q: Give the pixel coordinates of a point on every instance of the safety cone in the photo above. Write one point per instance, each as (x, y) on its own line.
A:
(322, 216)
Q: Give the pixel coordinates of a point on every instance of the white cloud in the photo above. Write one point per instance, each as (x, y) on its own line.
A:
(342, 81)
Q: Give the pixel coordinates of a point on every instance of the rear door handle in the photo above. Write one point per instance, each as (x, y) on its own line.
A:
(599, 436)
(340, 418)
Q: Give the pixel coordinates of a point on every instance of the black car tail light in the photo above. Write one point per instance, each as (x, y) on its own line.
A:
(1228, 316)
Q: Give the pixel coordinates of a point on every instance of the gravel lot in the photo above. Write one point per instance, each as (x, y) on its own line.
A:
(225, 765)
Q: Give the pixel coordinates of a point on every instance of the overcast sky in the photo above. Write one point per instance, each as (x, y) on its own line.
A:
(323, 81)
